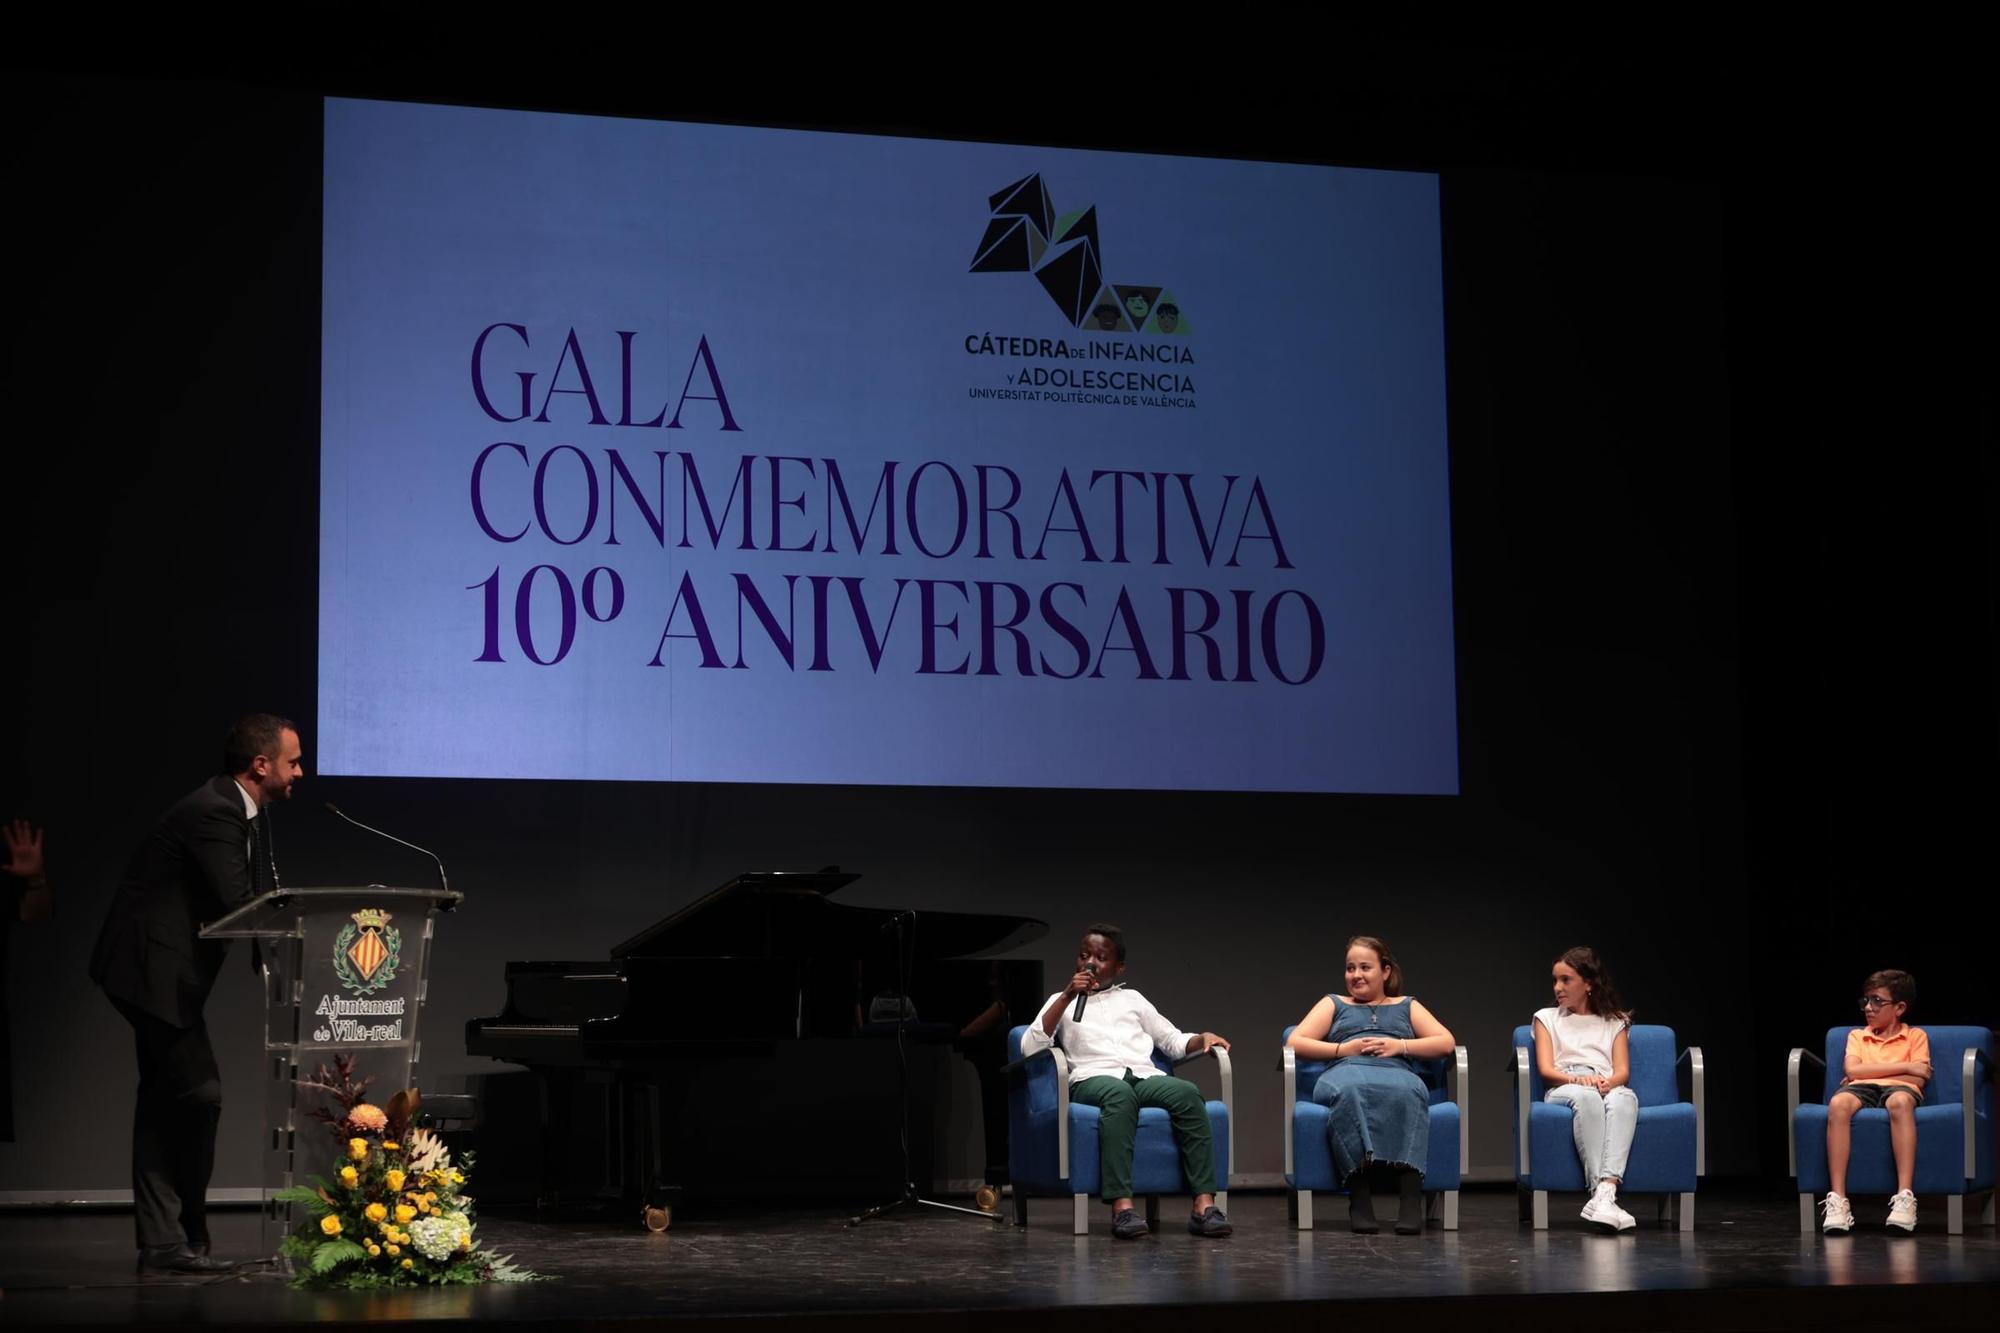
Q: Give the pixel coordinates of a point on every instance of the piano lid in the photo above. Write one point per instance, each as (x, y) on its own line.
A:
(786, 914)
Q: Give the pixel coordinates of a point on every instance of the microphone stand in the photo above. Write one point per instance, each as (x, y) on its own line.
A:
(909, 1198)
(443, 883)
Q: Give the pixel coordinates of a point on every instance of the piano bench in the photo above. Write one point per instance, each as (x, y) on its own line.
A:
(449, 1111)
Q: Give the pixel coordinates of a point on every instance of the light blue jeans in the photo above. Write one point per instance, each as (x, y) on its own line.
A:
(1603, 1125)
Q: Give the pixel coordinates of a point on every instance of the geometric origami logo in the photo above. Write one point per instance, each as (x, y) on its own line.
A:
(1064, 254)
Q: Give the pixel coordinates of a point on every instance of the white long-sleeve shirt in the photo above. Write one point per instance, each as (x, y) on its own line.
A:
(1120, 1030)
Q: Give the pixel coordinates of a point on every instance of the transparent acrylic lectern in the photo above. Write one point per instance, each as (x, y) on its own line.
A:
(345, 972)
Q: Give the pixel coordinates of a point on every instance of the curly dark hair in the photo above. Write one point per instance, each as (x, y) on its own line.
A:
(1113, 937)
(1601, 995)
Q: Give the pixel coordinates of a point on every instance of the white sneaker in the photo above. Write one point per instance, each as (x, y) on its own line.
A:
(1903, 1211)
(1603, 1210)
(1839, 1219)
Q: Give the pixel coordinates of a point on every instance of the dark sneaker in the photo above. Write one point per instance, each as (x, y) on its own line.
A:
(1210, 1222)
(1127, 1224)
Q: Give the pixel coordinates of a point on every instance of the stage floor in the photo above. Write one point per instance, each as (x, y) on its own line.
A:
(1744, 1267)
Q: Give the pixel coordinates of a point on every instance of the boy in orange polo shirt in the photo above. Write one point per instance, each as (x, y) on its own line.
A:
(1888, 1062)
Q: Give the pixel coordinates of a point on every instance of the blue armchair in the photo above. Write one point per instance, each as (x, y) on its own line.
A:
(1052, 1141)
(1669, 1147)
(1309, 1162)
(1954, 1126)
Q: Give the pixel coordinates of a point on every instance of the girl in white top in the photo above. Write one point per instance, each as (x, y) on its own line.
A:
(1583, 1054)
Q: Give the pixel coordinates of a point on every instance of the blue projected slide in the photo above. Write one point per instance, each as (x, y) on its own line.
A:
(700, 453)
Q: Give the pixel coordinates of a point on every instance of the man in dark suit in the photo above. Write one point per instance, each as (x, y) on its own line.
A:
(210, 851)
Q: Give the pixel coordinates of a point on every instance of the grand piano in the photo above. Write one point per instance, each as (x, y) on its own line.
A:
(760, 1042)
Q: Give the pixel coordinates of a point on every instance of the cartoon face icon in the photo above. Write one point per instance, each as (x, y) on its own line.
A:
(1169, 316)
(1106, 316)
(1136, 305)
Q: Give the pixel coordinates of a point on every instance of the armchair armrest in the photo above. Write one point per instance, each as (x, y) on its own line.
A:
(1698, 1088)
(1793, 1064)
(1228, 1092)
(1968, 1089)
(1055, 1053)
(1520, 1066)
(1458, 1082)
(1288, 1065)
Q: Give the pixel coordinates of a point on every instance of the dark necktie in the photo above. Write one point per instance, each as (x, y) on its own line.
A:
(263, 860)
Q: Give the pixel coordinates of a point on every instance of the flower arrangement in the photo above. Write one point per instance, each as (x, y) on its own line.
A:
(396, 1213)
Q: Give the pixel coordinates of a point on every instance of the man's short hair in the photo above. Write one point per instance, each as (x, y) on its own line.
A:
(1900, 984)
(253, 734)
(1112, 936)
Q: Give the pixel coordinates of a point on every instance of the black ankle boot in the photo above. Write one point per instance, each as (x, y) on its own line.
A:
(1361, 1204)
(1410, 1202)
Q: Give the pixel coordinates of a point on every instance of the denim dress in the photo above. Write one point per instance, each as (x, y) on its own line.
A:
(1380, 1109)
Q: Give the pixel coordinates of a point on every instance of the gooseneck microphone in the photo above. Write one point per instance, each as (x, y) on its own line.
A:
(1077, 1017)
(443, 883)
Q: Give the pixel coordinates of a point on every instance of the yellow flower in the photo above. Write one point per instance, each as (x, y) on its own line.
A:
(465, 1240)
(374, 1250)
(457, 1179)
(394, 1180)
(423, 1203)
(391, 1147)
(404, 1213)
(406, 1263)
(330, 1225)
(375, 1212)
(358, 1149)
(349, 1177)
(395, 1249)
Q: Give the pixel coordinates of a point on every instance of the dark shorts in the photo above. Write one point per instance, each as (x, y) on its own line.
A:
(1878, 1094)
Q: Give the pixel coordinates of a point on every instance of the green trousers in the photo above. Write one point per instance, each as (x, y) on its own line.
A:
(1118, 1101)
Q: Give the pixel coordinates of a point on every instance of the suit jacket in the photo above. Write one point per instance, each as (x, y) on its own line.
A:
(193, 867)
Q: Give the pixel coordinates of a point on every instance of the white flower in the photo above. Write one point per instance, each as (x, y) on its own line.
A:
(435, 1237)
(425, 1151)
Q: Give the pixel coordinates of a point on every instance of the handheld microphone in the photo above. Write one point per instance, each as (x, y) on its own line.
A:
(443, 883)
(1077, 1017)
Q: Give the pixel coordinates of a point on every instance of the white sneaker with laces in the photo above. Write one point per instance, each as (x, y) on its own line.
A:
(1903, 1211)
(1839, 1219)
(1602, 1209)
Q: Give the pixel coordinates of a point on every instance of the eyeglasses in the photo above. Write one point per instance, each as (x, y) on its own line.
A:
(1875, 1002)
